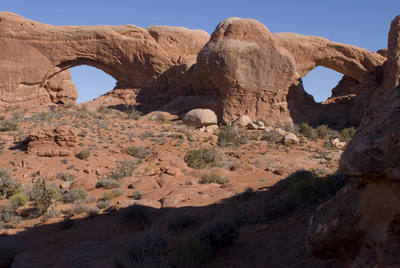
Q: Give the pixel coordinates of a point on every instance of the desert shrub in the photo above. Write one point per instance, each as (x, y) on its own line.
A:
(66, 223)
(137, 151)
(147, 252)
(51, 213)
(227, 135)
(75, 195)
(213, 177)
(8, 212)
(307, 187)
(103, 110)
(103, 204)
(211, 237)
(20, 199)
(146, 134)
(92, 211)
(43, 195)
(133, 112)
(270, 137)
(84, 154)
(79, 208)
(203, 158)
(10, 124)
(8, 185)
(108, 184)
(306, 130)
(112, 194)
(136, 213)
(347, 133)
(322, 131)
(66, 176)
(124, 169)
(181, 223)
(137, 194)
(246, 194)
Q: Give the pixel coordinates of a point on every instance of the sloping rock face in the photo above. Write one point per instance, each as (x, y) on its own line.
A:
(32, 53)
(361, 224)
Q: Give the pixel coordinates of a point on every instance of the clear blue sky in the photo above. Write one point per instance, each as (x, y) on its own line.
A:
(361, 23)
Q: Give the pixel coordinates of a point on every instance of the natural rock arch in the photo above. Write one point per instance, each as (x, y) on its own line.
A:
(34, 52)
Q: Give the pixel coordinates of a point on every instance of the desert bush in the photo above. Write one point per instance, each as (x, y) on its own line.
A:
(181, 223)
(84, 154)
(103, 204)
(227, 135)
(79, 208)
(270, 137)
(66, 223)
(210, 238)
(8, 212)
(66, 176)
(10, 124)
(322, 131)
(213, 177)
(137, 151)
(75, 195)
(136, 213)
(8, 185)
(137, 194)
(147, 252)
(308, 188)
(108, 184)
(133, 112)
(124, 169)
(92, 211)
(112, 194)
(203, 158)
(306, 130)
(347, 133)
(20, 199)
(43, 195)
(51, 213)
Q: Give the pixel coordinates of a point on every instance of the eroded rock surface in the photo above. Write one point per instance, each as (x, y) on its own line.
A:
(361, 224)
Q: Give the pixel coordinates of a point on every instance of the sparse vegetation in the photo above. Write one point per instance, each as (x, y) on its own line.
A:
(10, 124)
(108, 184)
(8, 186)
(213, 177)
(347, 133)
(137, 151)
(75, 195)
(84, 154)
(203, 158)
(43, 195)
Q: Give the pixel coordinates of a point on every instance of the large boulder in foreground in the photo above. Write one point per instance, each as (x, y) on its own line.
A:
(361, 224)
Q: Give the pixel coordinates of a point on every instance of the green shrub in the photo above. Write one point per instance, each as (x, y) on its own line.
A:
(8, 186)
(307, 187)
(103, 204)
(20, 199)
(322, 131)
(108, 184)
(124, 169)
(75, 195)
(84, 154)
(306, 130)
(213, 177)
(270, 137)
(203, 158)
(66, 176)
(227, 135)
(137, 194)
(347, 133)
(137, 151)
(136, 214)
(10, 124)
(92, 211)
(43, 195)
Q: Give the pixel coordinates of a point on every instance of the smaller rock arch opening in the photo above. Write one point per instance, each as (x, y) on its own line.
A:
(320, 82)
(91, 82)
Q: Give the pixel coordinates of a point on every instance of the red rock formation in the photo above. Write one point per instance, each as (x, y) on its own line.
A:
(361, 224)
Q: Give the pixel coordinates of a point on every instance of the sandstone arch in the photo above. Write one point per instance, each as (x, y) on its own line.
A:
(32, 52)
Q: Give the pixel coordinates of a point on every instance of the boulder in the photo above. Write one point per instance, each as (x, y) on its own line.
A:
(242, 121)
(83, 183)
(199, 118)
(290, 138)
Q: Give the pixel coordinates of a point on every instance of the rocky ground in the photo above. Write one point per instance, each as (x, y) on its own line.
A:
(93, 181)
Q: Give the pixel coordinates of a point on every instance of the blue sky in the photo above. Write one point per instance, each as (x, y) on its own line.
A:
(361, 23)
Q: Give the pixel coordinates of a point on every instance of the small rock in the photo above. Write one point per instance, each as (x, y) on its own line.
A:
(242, 121)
